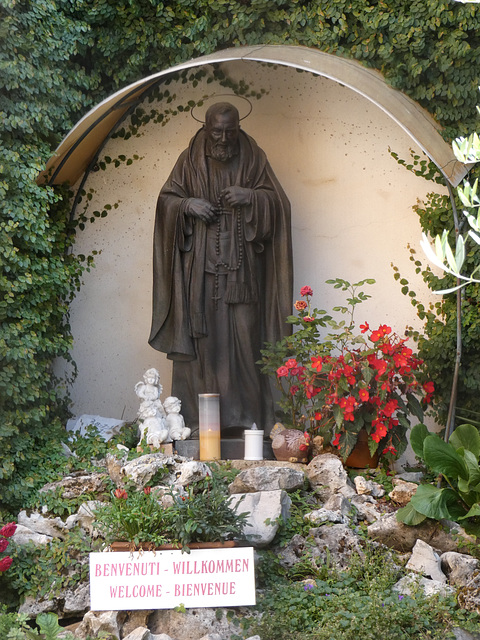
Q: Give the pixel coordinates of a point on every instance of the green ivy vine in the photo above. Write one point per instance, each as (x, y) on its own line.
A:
(58, 58)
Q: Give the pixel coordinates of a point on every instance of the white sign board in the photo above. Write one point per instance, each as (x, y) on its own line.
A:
(166, 579)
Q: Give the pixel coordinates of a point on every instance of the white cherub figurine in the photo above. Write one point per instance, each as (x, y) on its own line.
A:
(151, 410)
(154, 427)
(174, 420)
(150, 388)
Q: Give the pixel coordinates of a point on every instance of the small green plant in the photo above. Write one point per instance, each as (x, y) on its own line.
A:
(457, 463)
(206, 514)
(44, 572)
(295, 524)
(133, 515)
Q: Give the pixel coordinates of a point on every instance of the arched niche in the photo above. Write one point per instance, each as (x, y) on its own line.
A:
(327, 134)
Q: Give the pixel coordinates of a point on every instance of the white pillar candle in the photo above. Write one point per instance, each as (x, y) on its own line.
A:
(253, 444)
(209, 425)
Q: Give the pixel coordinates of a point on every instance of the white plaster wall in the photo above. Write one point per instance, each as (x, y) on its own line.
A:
(351, 215)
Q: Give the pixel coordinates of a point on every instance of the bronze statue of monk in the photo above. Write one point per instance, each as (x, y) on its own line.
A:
(222, 282)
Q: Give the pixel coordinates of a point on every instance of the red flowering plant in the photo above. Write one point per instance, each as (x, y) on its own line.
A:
(346, 382)
(6, 532)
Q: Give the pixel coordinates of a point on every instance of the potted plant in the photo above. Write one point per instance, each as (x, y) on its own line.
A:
(349, 383)
(137, 518)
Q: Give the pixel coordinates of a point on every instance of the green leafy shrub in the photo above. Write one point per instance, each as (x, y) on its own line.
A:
(204, 514)
(350, 380)
(359, 603)
(457, 462)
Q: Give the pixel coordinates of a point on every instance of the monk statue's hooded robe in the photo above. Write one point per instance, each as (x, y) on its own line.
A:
(221, 290)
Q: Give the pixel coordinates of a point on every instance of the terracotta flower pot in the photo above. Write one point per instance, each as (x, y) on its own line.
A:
(360, 457)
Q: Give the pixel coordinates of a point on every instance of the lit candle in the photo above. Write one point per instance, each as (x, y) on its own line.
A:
(209, 425)
(253, 443)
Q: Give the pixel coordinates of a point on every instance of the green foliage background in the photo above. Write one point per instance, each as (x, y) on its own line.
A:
(58, 59)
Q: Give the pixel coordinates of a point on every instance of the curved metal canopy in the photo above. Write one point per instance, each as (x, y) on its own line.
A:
(84, 141)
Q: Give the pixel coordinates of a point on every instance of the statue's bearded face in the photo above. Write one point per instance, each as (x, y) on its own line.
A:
(222, 136)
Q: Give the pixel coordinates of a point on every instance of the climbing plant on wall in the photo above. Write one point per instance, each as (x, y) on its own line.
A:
(59, 58)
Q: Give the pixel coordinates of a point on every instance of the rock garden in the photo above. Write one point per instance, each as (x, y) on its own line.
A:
(332, 559)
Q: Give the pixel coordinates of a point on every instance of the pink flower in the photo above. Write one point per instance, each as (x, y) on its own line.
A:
(3, 544)
(306, 291)
(121, 494)
(308, 318)
(8, 530)
(5, 563)
(282, 371)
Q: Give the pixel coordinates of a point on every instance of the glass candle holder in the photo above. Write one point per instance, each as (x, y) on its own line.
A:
(209, 425)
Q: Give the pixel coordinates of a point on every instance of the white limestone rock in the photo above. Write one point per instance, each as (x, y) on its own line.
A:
(193, 624)
(52, 527)
(267, 479)
(23, 535)
(262, 506)
(409, 584)
(328, 477)
(402, 491)
(459, 568)
(140, 633)
(319, 516)
(426, 561)
(368, 487)
(365, 509)
(191, 472)
(31, 606)
(96, 622)
(78, 600)
(141, 470)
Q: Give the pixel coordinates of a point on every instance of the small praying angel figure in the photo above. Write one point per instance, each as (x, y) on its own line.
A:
(174, 420)
(151, 411)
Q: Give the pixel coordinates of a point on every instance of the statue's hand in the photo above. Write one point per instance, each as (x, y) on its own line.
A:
(202, 209)
(236, 196)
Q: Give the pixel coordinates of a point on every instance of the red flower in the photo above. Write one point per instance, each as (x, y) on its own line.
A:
(390, 407)
(121, 494)
(317, 362)
(8, 530)
(375, 336)
(291, 363)
(282, 371)
(293, 389)
(3, 544)
(390, 449)
(300, 305)
(363, 394)
(318, 415)
(5, 563)
(147, 490)
(429, 387)
(364, 327)
(308, 318)
(336, 440)
(306, 291)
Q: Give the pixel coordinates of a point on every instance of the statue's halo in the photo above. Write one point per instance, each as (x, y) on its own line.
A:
(203, 105)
